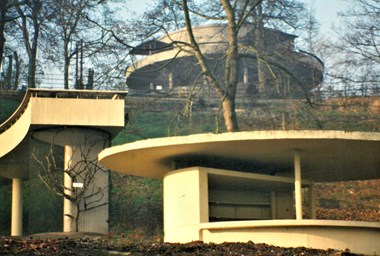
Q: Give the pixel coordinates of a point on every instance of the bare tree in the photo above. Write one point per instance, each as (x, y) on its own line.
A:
(80, 187)
(272, 64)
(33, 17)
(357, 49)
(7, 15)
(4, 8)
(70, 26)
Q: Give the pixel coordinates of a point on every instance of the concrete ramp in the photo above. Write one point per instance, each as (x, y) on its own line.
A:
(15, 128)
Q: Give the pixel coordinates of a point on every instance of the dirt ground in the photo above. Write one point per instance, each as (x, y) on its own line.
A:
(111, 246)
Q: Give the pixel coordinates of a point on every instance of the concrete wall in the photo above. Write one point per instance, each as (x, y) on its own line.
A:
(50, 111)
(95, 215)
(358, 237)
(190, 200)
(185, 204)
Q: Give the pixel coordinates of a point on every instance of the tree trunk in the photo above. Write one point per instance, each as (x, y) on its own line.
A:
(90, 79)
(227, 93)
(66, 74)
(229, 114)
(32, 72)
(66, 65)
(8, 78)
(231, 72)
(259, 45)
(3, 11)
(17, 71)
(33, 52)
(31, 47)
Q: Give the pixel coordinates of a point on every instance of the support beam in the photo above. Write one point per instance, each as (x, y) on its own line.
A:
(16, 225)
(298, 184)
(170, 80)
(312, 201)
(273, 205)
(68, 206)
(245, 76)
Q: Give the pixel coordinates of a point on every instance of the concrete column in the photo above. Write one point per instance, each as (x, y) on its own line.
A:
(298, 185)
(16, 225)
(185, 204)
(68, 207)
(245, 76)
(273, 205)
(95, 220)
(170, 80)
(312, 201)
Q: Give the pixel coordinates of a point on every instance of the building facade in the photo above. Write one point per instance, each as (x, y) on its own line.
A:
(272, 68)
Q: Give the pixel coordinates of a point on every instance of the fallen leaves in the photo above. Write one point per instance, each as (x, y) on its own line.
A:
(104, 246)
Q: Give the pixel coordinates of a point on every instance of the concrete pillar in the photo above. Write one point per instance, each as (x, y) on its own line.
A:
(82, 144)
(298, 185)
(245, 76)
(16, 225)
(312, 201)
(96, 219)
(185, 204)
(68, 206)
(273, 204)
(170, 80)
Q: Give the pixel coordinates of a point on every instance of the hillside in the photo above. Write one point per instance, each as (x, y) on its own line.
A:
(9, 102)
(136, 203)
(151, 117)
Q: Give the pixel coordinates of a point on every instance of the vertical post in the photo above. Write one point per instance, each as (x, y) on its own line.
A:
(245, 76)
(16, 222)
(81, 66)
(170, 78)
(312, 201)
(298, 185)
(76, 66)
(273, 205)
(68, 207)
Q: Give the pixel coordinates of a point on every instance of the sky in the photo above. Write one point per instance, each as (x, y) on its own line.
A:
(326, 11)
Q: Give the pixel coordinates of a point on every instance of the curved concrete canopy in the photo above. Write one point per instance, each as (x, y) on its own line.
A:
(325, 155)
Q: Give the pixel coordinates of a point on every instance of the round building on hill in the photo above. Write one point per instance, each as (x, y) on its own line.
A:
(270, 66)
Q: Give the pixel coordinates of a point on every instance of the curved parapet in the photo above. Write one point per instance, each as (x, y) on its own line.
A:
(15, 128)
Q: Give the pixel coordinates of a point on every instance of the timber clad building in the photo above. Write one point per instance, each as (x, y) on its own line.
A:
(166, 65)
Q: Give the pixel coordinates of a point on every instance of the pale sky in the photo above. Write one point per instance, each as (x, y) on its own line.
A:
(325, 10)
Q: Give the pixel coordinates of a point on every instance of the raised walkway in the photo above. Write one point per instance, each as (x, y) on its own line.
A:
(47, 110)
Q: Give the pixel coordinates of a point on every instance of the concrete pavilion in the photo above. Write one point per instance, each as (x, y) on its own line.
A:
(68, 118)
(245, 186)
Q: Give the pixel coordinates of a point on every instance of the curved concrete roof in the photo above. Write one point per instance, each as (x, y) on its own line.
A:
(325, 155)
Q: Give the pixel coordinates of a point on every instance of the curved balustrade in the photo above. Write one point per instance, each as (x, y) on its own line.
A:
(17, 114)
